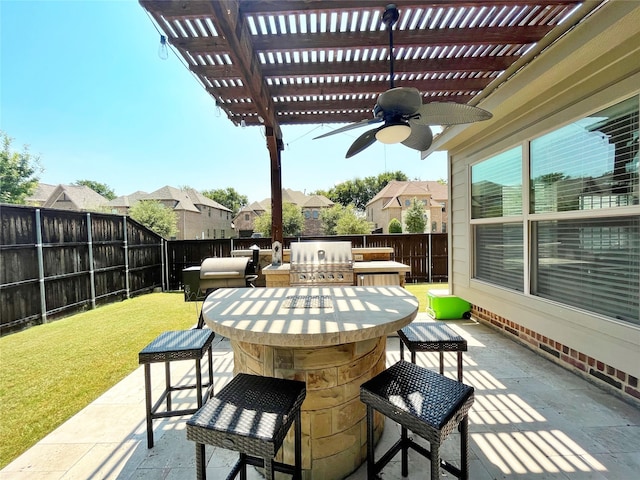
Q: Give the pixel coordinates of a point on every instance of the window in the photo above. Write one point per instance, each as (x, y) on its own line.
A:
(496, 193)
(592, 264)
(579, 238)
(499, 254)
(407, 203)
(246, 217)
(307, 214)
(316, 214)
(588, 165)
(496, 186)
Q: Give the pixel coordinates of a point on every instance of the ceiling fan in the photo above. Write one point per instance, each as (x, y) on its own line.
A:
(406, 119)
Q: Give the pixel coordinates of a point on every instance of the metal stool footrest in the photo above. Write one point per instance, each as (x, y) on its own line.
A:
(173, 346)
(251, 415)
(444, 404)
(432, 337)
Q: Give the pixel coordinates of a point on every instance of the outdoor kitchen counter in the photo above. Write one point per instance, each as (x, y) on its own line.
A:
(278, 276)
(334, 339)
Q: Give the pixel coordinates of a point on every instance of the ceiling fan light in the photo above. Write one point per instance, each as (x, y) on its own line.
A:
(394, 133)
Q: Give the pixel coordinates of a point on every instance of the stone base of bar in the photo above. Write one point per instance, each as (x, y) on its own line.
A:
(334, 427)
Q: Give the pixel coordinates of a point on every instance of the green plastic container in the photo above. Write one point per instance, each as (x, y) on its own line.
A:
(442, 306)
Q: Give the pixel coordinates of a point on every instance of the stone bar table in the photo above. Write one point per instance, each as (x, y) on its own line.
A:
(334, 339)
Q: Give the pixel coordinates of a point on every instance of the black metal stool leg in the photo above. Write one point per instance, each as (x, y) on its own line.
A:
(147, 401)
(199, 382)
(167, 380)
(435, 462)
(459, 366)
(405, 452)
(201, 463)
(464, 448)
(370, 460)
(298, 447)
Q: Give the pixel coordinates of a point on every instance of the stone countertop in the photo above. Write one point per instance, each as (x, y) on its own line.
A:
(374, 266)
(308, 316)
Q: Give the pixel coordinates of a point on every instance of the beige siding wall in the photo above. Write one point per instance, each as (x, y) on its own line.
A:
(593, 67)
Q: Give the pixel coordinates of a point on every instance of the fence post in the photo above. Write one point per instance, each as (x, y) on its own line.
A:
(43, 300)
(92, 274)
(126, 259)
(162, 262)
(429, 262)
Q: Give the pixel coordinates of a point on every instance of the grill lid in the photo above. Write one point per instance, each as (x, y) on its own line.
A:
(225, 267)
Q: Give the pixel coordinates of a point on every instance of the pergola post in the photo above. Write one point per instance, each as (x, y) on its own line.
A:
(275, 146)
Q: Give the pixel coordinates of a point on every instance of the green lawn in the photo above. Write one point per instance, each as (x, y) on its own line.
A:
(50, 372)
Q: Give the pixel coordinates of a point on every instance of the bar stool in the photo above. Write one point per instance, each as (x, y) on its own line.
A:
(171, 346)
(432, 337)
(443, 405)
(250, 415)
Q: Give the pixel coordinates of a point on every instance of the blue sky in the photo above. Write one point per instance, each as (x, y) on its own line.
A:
(82, 85)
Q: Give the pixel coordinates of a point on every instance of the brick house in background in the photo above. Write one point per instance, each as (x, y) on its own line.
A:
(199, 217)
(67, 197)
(397, 196)
(311, 206)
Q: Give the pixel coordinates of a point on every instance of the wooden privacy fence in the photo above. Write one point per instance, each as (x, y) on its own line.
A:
(55, 262)
(426, 254)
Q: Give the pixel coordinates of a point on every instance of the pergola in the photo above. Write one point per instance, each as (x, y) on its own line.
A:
(269, 63)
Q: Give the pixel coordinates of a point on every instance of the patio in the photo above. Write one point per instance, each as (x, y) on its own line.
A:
(531, 419)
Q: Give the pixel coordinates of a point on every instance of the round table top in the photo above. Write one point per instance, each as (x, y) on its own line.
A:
(308, 316)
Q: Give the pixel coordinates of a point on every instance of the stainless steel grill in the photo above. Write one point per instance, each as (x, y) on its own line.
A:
(321, 263)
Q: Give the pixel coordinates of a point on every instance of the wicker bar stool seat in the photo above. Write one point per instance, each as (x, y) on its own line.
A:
(251, 415)
(428, 404)
(172, 346)
(432, 337)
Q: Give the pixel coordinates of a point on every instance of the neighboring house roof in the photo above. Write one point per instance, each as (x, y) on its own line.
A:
(80, 196)
(183, 199)
(298, 198)
(391, 193)
(41, 194)
(127, 200)
(317, 201)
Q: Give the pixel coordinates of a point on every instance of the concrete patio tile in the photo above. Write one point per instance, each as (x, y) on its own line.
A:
(105, 460)
(531, 420)
(43, 457)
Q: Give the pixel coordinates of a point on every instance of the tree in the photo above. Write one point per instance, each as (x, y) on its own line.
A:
(359, 192)
(395, 226)
(18, 173)
(350, 223)
(414, 217)
(329, 218)
(292, 221)
(156, 217)
(229, 198)
(102, 188)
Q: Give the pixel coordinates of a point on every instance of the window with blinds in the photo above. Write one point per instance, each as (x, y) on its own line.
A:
(589, 164)
(589, 261)
(500, 254)
(496, 186)
(592, 264)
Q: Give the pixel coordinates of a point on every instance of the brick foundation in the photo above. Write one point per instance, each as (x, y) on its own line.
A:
(605, 376)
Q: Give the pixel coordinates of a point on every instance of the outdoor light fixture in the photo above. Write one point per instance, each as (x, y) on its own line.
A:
(393, 132)
(163, 51)
(243, 124)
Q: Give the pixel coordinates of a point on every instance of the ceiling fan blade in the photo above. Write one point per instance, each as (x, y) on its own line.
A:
(449, 113)
(365, 140)
(400, 100)
(420, 138)
(351, 126)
